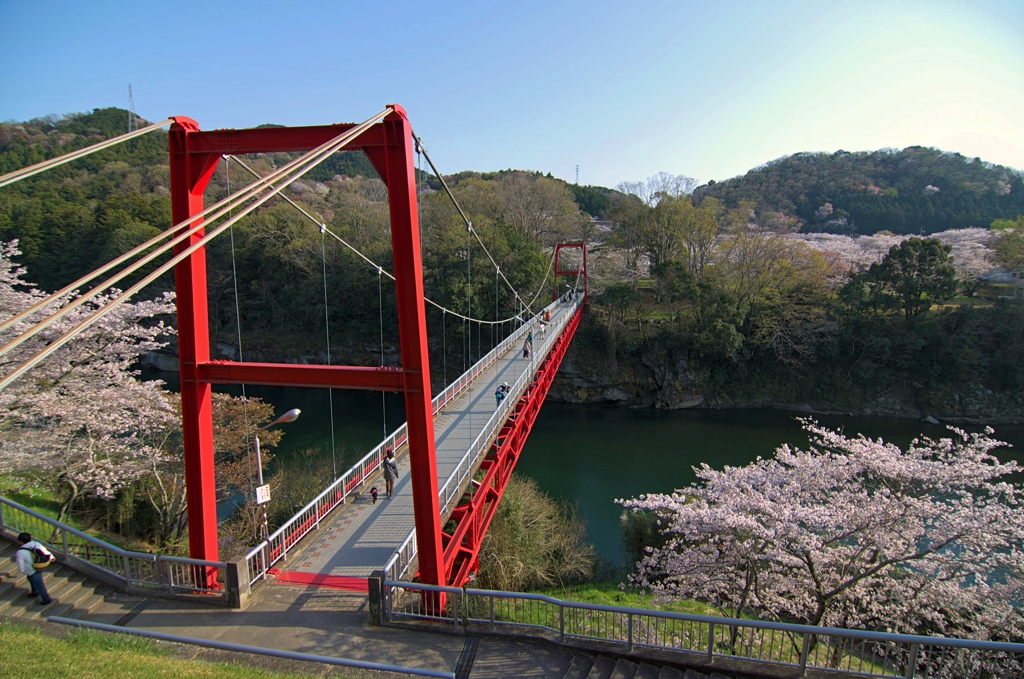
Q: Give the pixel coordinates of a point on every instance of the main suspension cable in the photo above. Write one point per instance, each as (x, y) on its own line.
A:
(31, 170)
(309, 161)
(469, 223)
(213, 212)
(354, 250)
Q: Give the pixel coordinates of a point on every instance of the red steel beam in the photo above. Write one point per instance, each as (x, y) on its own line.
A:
(372, 378)
(480, 502)
(281, 139)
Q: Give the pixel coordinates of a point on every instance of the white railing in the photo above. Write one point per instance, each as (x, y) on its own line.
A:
(707, 640)
(451, 490)
(132, 570)
(276, 547)
(402, 559)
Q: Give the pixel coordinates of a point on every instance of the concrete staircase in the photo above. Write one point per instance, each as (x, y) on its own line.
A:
(73, 594)
(588, 666)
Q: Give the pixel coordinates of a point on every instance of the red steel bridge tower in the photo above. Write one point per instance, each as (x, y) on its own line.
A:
(444, 558)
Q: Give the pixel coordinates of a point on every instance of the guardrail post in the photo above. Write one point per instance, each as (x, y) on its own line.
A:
(493, 625)
(64, 540)
(629, 632)
(376, 586)
(234, 575)
(805, 651)
(127, 570)
(3, 522)
(711, 641)
(912, 662)
(561, 624)
(455, 610)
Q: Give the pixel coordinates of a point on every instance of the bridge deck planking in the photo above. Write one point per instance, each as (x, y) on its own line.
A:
(366, 535)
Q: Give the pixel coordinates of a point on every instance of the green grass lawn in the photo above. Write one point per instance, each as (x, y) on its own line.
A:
(26, 653)
(30, 494)
(609, 594)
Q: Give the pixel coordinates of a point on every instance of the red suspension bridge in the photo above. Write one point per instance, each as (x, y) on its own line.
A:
(458, 449)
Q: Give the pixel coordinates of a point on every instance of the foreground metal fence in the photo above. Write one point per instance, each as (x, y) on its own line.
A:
(706, 640)
(132, 570)
(276, 547)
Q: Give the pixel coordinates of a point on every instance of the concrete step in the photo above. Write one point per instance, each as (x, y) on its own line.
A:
(646, 671)
(623, 669)
(670, 673)
(72, 593)
(602, 668)
(579, 666)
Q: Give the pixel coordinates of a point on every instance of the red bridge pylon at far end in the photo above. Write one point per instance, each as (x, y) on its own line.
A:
(571, 270)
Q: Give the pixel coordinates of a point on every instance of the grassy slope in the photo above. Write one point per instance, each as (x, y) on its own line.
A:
(25, 653)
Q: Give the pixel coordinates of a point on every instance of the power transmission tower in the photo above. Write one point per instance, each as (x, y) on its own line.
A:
(133, 119)
(577, 174)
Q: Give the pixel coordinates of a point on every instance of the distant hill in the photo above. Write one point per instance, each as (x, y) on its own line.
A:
(914, 190)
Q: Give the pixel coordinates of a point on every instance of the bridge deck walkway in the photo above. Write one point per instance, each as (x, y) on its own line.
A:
(365, 535)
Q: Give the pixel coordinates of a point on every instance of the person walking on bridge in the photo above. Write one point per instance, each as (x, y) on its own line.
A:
(527, 348)
(390, 472)
(499, 394)
(31, 558)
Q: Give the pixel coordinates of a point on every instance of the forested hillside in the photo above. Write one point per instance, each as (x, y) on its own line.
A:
(914, 191)
(70, 220)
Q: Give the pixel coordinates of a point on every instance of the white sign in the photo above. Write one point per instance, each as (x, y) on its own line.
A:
(263, 494)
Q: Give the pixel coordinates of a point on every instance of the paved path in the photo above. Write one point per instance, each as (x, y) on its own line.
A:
(366, 535)
(332, 623)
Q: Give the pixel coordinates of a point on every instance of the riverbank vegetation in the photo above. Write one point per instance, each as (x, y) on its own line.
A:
(849, 533)
(533, 542)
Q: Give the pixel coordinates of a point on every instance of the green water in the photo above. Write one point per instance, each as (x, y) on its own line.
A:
(591, 455)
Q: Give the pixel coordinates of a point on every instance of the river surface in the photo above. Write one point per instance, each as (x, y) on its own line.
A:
(591, 455)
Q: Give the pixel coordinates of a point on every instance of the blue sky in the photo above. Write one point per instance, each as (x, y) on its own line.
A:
(625, 90)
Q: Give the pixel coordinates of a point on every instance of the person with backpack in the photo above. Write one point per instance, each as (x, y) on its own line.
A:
(32, 557)
(501, 391)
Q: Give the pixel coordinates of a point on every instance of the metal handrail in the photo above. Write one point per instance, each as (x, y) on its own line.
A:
(276, 546)
(257, 650)
(174, 574)
(879, 654)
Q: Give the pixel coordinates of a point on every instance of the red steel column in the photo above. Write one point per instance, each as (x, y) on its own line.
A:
(412, 331)
(189, 176)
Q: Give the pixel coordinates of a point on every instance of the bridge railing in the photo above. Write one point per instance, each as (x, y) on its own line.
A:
(701, 639)
(451, 490)
(131, 570)
(277, 545)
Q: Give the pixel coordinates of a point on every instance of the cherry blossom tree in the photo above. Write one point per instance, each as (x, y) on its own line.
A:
(82, 419)
(851, 532)
(973, 256)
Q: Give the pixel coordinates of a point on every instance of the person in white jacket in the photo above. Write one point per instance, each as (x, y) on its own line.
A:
(26, 559)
